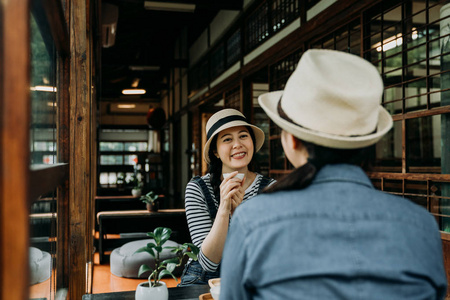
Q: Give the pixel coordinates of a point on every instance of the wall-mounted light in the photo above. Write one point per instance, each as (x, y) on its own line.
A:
(167, 6)
(133, 91)
(144, 68)
(126, 106)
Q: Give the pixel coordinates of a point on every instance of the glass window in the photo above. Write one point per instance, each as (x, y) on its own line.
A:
(43, 96)
(234, 48)
(218, 61)
(136, 146)
(111, 146)
(43, 149)
(347, 39)
(423, 144)
(389, 151)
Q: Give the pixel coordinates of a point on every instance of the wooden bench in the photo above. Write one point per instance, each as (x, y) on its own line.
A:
(133, 221)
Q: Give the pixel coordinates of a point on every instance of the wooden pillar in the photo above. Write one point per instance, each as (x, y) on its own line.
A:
(14, 148)
(81, 109)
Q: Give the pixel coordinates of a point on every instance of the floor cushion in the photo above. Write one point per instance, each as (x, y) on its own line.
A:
(40, 265)
(124, 262)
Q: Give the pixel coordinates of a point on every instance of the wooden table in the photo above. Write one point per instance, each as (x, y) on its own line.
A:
(131, 221)
(178, 293)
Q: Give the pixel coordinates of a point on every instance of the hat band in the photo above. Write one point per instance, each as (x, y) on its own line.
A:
(283, 115)
(222, 122)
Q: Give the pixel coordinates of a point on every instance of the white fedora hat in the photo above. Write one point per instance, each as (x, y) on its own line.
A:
(225, 119)
(332, 99)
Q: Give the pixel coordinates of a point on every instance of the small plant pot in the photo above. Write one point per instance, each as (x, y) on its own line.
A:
(136, 192)
(152, 207)
(145, 292)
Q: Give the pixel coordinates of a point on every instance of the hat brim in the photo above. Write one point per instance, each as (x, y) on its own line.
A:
(259, 136)
(269, 102)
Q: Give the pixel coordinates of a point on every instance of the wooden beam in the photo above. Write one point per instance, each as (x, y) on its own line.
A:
(15, 151)
(80, 155)
(57, 24)
(63, 146)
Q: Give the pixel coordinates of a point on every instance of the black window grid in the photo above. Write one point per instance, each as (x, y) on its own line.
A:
(233, 98)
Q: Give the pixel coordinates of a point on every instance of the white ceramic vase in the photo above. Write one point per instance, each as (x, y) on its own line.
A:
(136, 192)
(144, 292)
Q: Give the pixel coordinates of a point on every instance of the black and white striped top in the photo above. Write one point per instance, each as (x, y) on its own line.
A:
(198, 218)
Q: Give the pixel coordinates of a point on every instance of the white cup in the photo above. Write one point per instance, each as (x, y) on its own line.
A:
(215, 292)
(238, 175)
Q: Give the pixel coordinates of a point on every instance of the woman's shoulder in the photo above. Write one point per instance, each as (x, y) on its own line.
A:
(199, 182)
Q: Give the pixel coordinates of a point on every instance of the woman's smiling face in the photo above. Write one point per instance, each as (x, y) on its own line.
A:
(235, 149)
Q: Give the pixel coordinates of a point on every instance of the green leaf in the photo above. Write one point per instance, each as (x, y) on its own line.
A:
(165, 235)
(149, 250)
(171, 267)
(165, 272)
(157, 233)
(151, 245)
(191, 255)
(143, 269)
(173, 260)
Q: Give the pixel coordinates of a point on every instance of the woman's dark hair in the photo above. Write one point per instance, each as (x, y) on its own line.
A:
(215, 164)
(320, 156)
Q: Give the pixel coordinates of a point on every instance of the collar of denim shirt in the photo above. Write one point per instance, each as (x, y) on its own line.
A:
(342, 172)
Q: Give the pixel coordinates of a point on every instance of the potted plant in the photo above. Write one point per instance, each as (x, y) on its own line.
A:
(155, 288)
(136, 184)
(151, 200)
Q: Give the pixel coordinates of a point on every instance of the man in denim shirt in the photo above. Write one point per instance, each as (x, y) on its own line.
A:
(324, 232)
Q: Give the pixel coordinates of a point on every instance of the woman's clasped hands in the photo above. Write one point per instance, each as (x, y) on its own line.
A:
(231, 192)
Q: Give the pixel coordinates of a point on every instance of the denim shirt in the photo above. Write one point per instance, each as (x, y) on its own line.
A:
(339, 238)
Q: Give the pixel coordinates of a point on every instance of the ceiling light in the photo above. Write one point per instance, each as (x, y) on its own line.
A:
(126, 106)
(167, 6)
(133, 91)
(144, 68)
(43, 88)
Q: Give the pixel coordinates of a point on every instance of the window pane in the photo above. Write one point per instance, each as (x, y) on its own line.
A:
(389, 150)
(111, 159)
(43, 95)
(111, 146)
(136, 146)
(423, 144)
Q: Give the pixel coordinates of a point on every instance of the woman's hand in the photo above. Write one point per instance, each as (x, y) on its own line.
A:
(231, 193)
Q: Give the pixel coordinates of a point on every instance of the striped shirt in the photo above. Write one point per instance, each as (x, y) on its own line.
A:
(197, 214)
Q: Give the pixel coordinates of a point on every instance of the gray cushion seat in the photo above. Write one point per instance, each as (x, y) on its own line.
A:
(40, 265)
(124, 262)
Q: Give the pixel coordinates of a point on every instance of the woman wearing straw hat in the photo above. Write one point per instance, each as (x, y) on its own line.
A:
(324, 232)
(212, 199)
